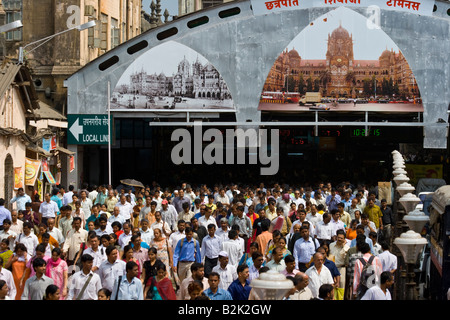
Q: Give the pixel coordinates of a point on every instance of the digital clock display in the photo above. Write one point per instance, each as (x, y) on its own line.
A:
(362, 132)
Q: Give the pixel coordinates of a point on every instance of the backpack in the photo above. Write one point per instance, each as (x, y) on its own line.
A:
(366, 274)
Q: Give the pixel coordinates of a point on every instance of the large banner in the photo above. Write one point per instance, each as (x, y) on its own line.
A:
(171, 76)
(18, 178)
(352, 66)
(31, 171)
(420, 171)
(422, 7)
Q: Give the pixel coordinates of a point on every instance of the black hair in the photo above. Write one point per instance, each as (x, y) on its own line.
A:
(241, 268)
(51, 289)
(196, 265)
(38, 262)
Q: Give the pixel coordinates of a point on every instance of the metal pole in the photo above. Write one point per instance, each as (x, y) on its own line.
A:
(109, 133)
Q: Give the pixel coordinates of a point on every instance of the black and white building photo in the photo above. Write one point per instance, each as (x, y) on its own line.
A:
(171, 76)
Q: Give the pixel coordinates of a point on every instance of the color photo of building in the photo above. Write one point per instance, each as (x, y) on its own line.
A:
(339, 72)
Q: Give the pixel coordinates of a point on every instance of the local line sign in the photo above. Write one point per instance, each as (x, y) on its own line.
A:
(87, 129)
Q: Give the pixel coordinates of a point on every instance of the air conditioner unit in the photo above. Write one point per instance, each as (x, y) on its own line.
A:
(89, 10)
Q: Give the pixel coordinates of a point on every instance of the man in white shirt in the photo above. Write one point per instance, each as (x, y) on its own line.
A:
(233, 248)
(368, 225)
(93, 194)
(210, 249)
(29, 239)
(125, 237)
(324, 230)
(79, 279)
(116, 216)
(336, 222)
(146, 231)
(226, 271)
(277, 262)
(48, 208)
(222, 232)
(380, 292)
(318, 274)
(302, 292)
(161, 225)
(16, 224)
(7, 276)
(313, 216)
(111, 268)
(125, 208)
(8, 234)
(388, 260)
(223, 198)
(67, 198)
(96, 252)
(75, 237)
(169, 214)
(298, 198)
(177, 235)
(207, 219)
(54, 232)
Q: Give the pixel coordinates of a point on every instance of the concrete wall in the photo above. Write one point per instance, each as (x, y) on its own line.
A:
(13, 117)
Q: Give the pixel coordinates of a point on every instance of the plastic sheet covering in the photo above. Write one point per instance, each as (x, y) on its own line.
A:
(428, 184)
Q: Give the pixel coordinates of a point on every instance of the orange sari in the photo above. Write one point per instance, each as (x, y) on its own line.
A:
(18, 269)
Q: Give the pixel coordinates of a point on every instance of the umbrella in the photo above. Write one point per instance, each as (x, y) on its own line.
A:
(132, 182)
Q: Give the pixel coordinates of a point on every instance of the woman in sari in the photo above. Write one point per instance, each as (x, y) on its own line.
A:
(351, 231)
(57, 269)
(159, 287)
(5, 252)
(281, 243)
(18, 263)
(162, 246)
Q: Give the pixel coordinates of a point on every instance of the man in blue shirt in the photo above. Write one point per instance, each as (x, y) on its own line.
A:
(214, 292)
(130, 287)
(186, 253)
(56, 199)
(304, 249)
(332, 200)
(21, 198)
(240, 288)
(4, 213)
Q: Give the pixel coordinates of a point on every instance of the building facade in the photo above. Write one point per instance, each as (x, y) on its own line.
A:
(57, 59)
(339, 74)
(189, 6)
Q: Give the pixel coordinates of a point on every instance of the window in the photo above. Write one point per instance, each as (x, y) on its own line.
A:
(13, 10)
(104, 32)
(115, 33)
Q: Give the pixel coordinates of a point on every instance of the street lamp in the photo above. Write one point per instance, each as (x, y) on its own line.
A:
(11, 26)
(271, 285)
(42, 41)
(400, 178)
(399, 171)
(410, 245)
(405, 188)
(409, 201)
(416, 220)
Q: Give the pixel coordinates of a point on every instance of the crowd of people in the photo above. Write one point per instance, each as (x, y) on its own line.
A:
(195, 243)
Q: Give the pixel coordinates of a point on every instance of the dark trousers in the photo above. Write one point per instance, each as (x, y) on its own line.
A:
(209, 265)
(302, 267)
